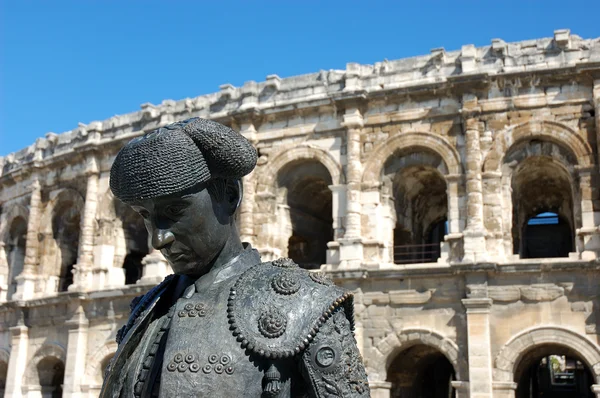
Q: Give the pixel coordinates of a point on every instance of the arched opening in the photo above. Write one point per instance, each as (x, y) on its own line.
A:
(543, 220)
(421, 371)
(136, 243)
(553, 371)
(65, 231)
(3, 372)
(421, 204)
(51, 373)
(304, 188)
(15, 252)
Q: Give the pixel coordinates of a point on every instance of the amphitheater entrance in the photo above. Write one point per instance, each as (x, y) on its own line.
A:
(421, 371)
(421, 204)
(136, 242)
(305, 206)
(65, 230)
(543, 205)
(51, 372)
(553, 372)
(15, 250)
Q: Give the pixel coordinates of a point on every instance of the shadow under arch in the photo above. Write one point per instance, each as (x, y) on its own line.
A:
(514, 351)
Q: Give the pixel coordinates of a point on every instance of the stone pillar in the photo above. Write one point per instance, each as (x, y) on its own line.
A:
(26, 280)
(4, 268)
(156, 268)
(452, 248)
(474, 234)
(246, 227)
(338, 211)
(17, 362)
(596, 390)
(76, 353)
(596, 96)
(351, 251)
(479, 349)
(461, 388)
(82, 274)
(380, 389)
(493, 214)
(588, 236)
(504, 389)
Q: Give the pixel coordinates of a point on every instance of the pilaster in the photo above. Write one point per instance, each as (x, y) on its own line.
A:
(351, 251)
(380, 389)
(596, 98)
(4, 268)
(156, 268)
(479, 347)
(76, 353)
(504, 389)
(17, 363)
(26, 280)
(589, 233)
(474, 234)
(596, 390)
(82, 274)
(246, 227)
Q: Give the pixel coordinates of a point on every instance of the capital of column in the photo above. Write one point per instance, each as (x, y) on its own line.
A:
(353, 119)
(478, 305)
(596, 389)
(248, 130)
(504, 385)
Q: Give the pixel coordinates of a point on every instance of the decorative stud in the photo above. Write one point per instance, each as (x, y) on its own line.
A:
(272, 323)
(284, 262)
(285, 283)
(321, 278)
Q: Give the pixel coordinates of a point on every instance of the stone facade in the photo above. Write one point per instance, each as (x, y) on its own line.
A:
(457, 193)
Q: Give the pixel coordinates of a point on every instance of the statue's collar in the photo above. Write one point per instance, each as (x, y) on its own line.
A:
(237, 265)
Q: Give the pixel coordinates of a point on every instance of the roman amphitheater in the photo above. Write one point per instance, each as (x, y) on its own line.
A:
(456, 193)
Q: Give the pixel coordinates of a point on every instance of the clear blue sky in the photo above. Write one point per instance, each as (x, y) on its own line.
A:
(67, 62)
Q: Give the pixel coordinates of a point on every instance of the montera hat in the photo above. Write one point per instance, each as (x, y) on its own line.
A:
(179, 156)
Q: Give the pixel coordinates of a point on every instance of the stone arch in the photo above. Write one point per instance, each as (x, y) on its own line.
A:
(395, 343)
(13, 212)
(94, 362)
(406, 141)
(56, 198)
(50, 350)
(554, 132)
(288, 154)
(517, 347)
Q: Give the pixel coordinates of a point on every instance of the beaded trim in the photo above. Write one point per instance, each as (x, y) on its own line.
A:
(263, 350)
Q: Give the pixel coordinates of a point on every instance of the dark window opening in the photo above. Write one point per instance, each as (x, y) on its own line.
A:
(546, 235)
(421, 372)
(133, 267)
(51, 372)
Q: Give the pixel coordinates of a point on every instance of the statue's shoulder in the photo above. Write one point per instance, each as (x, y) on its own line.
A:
(276, 308)
(141, 303)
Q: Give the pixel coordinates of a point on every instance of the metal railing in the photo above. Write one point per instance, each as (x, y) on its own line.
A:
(412, 254)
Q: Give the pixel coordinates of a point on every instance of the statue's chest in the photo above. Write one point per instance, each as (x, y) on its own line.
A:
(202, 357)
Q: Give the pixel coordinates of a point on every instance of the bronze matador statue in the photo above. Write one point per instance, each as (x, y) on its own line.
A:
(225, 324)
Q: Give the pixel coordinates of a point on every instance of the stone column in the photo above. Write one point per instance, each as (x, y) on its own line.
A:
(76, 353)
(351, 251)
(596, 390)
(380, 389)
(452, 245)
(479, 349)
(17, 362)
(588, 236)
(493, 213)
(4, 268)
(246, 227)
(504, 389)
(596, 96)
(156, 268)
(474, 234)
(26, 280)
(82, 270)
(461, 388)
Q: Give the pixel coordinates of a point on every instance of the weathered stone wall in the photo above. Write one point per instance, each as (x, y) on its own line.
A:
(411, 182)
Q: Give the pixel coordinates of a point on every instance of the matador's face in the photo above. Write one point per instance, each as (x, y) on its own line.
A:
(189, 229)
